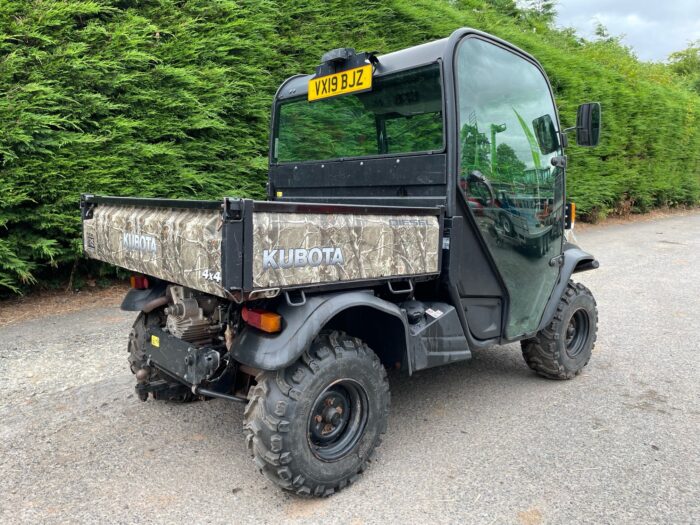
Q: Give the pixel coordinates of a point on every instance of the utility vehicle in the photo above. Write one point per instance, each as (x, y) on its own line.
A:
(406, 193)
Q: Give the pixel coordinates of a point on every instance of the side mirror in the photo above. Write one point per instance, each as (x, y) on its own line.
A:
(476, 177)
(588, 124)
(546, 134)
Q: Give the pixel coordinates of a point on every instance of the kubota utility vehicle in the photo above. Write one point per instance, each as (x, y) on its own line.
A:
(416, 212)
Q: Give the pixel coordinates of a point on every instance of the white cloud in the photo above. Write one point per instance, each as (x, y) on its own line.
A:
(652, 28)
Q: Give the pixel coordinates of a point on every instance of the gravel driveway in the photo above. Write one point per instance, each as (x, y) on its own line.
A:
(484, 441)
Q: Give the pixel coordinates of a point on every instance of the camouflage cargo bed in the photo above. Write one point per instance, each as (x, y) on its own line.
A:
(239, 246)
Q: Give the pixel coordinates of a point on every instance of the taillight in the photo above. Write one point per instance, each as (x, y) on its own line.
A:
(139, 282)
(266, 321)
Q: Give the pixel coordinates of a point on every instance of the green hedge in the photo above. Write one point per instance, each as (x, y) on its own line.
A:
(172, 99)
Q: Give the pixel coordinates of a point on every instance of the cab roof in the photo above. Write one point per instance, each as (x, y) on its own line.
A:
(410, 57)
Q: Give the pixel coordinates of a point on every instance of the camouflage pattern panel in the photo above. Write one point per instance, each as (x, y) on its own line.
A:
(299, 249)
(178, 245)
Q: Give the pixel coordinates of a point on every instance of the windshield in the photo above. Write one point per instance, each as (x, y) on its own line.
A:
(402, 114)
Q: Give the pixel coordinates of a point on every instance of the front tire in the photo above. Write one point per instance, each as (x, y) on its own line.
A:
(564, 347)
(313, 426)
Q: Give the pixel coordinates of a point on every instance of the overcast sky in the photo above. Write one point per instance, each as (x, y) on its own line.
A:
(652, 28)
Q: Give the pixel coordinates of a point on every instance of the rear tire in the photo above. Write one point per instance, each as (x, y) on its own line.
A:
(564, 347)
(313, 426)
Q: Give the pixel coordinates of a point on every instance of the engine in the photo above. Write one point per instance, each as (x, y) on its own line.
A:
(192, 316)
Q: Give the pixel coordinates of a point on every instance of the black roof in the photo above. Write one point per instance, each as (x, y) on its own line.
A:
(410, 57)
(390, 63)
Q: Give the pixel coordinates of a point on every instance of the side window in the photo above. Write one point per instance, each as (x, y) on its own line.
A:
(506, 176)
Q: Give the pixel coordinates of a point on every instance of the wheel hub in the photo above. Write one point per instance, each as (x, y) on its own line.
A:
(577, 333)
(337, 420)
(332, 416)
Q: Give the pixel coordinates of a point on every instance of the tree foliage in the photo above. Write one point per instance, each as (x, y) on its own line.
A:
(686, 64)
(171, 99)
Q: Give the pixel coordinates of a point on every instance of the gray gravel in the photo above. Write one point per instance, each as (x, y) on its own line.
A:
(485, 441)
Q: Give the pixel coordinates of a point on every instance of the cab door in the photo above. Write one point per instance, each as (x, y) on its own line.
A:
(506, 178)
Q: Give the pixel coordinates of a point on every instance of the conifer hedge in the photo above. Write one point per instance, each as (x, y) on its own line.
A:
(172, 98)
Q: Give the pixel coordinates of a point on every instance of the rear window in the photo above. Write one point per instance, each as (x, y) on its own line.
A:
(402, 114)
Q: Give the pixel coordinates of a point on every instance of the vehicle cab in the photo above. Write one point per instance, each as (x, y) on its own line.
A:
(468, 123)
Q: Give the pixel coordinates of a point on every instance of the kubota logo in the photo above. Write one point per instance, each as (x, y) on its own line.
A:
(139, 243)
(299, 257)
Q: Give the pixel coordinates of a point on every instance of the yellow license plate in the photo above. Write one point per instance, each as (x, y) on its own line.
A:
(350, 81)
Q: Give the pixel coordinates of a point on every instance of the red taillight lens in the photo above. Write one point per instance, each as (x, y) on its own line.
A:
(266, 321)
(139, 282)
